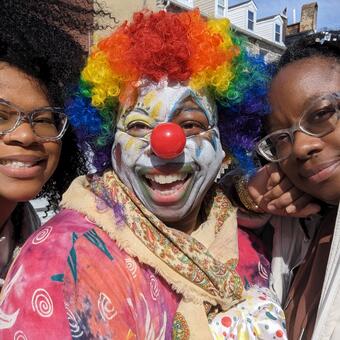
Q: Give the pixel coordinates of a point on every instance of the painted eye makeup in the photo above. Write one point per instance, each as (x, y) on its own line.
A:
(138, 128)
(192, 120)
(137, 124)
(192, 127)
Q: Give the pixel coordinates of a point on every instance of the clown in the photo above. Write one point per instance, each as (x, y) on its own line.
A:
(172, 179)
(147, 247)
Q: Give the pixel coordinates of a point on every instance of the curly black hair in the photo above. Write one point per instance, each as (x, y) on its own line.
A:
(37, 38)
(321, 44)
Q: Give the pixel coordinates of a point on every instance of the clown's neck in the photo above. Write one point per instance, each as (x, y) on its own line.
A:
(187, 224)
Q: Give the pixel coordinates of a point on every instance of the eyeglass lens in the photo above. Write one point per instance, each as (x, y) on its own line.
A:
(319, 120)
(45, 123)
(277, 146)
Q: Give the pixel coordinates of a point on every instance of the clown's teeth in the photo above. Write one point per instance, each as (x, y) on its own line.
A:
(166, 179)
(166, 192)
(17, 164)
(166, 189)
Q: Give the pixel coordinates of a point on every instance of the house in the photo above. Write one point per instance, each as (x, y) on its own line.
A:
(271, 28)
(243, 15)
(265, 36)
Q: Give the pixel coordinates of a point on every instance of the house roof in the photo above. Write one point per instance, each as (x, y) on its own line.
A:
(268, 18)
(240, 4)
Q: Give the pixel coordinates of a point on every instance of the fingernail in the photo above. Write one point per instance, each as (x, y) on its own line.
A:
(271, 207)
(291, 209)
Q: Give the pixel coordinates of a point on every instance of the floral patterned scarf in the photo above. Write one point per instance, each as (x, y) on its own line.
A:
(201, 266)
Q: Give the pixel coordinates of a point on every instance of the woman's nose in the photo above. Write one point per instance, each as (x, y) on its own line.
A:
(22, 135)
(306, 146)
(167, 140)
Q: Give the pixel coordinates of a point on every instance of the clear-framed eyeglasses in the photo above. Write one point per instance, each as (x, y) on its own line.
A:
(47, 123)
(319, 119)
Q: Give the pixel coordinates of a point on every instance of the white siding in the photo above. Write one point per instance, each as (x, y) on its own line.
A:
(207, 7)
(266, 28)
(239, 15)
(187, 3)
(40, 205)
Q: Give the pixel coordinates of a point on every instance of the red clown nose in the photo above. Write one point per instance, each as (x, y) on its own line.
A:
(167, 140)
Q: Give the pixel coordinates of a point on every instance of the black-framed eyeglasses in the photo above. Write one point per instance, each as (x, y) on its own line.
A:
(319, 119)
(47, 123)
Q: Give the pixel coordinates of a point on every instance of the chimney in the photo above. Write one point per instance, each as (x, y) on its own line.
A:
(308, 17)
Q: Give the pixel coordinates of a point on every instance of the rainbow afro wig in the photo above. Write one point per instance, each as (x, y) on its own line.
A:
(182, 48)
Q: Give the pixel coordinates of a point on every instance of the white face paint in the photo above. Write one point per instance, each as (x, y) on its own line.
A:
(171, 189)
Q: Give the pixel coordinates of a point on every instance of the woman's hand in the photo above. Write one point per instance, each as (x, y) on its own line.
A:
(274, 193)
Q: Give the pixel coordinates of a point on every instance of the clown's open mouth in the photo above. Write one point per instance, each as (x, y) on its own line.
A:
(167, 188)
(166, 184)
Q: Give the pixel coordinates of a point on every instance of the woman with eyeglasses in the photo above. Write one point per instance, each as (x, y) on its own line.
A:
(303, 146)
(38, 151)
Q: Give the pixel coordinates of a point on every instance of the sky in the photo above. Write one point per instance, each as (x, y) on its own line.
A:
(328, 12)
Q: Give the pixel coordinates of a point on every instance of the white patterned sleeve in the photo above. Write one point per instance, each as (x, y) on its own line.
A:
(258, 316)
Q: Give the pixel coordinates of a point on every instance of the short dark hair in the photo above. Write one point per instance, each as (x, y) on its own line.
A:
(321, 44)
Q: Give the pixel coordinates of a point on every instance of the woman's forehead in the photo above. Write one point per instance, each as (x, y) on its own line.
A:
(298, 85)
(307, 77)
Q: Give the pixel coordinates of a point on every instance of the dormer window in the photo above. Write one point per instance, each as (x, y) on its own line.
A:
(251, 20)
(221, 8)
(277, 33)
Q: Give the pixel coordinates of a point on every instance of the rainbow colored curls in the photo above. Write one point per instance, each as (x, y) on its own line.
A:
(180, 47)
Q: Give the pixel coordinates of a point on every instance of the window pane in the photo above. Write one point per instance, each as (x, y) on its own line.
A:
(277, 33)
(250, 15)
(250, 20)
(220, 10)
(221, 3)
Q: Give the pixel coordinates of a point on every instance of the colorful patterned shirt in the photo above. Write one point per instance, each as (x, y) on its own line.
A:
(72, 281)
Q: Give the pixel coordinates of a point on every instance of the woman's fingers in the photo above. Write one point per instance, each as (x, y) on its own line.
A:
(293, 203)
(268, 175)
(275, 175)
(303, 207)
(274, 193)
(284, 190)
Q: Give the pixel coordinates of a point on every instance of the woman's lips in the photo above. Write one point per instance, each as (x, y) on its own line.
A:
(22, 167)
(322, 172)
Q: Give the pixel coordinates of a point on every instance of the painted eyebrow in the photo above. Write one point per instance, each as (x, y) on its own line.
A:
(186, 105)
(136, 110)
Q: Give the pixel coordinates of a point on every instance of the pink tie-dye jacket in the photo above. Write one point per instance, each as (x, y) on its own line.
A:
(71, 281)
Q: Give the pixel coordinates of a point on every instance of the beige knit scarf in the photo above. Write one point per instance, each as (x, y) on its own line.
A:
(200, 266)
